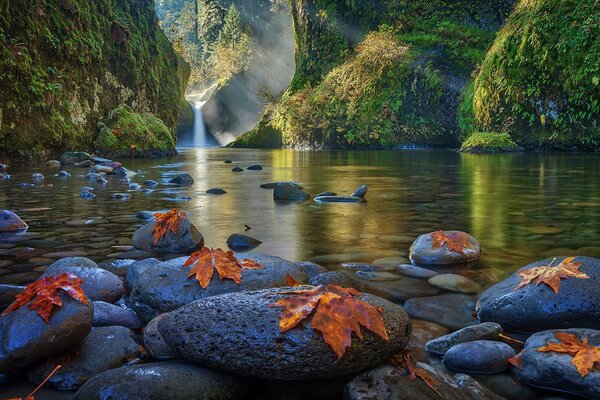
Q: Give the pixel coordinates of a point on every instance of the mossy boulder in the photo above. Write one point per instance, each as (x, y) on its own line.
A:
(540, 81)
(125, 131)
(488, 142)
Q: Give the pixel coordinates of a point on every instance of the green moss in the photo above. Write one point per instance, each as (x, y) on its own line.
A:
(488, 142)
(263, 136)
(541, 79)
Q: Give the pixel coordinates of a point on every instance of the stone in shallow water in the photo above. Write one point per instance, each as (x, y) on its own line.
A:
(121, 196)
(255, 167)
(239, 242)
(415, 272)
(422, 251)
(377, 276)
(534, 308)
(390, 261)
(216, 191)
(455, 311)
(182, 179)
(202, 332)
(335, 278)
(483, 331)
(237, 169)
(72, 157)
(479, 357)
(289, 191)
(455, 283)
(555, 371)
(187, 240)
(150, 183)
(311, 269)
(162, 380)
(361, 191)
(10, 222)
(339, 199)
(423, 332)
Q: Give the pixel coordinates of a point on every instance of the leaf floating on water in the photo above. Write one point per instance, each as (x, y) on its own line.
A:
(584, 354)
(404, 361)
(226, 264)
(337, 314)
(166, 222)
(550, 275)
(456, 242)
(44, 294)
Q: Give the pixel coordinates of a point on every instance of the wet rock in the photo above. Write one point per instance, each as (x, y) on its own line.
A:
(227, 161)
(455, 283)
(187, 240)
(125, 173)
(401, 290)
(182, 179)
(255, 167)
(483, 331)
(415, 272)
(239, 242)
(335, 278)
(98, 284)
(239, 333)
(8, 293)
(377, 276)
(83, 164)
(121, 196)
(72, 157)
(25, 338)
(534, 308)
(117, 267)
(92, 176)
(479, 357)
(145, 215)
(311, 269)
(455, 311)
(272, 185)
(555, 371)
(166, 286)
(136, 269)
(150, 183)
(106, 314)
(104, 169)
(53, 164)
(289, 191)
(474, 389)
(26, 185)
(10, 222)
(37, 176)
(390, 261)
(101, 181)
(135, 186)
(155, 344)
(87, 195)
(103, 349)
(216, 191)
(178, 380)
(361, 191)
(339, 199)
(63, 174)
(422, 333)
(422, 252)
(325, 194)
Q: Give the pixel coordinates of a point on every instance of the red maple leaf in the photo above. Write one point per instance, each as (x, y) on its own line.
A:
(166, 222)
(456, 242)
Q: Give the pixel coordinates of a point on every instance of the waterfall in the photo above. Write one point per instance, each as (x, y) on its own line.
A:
(199, 137)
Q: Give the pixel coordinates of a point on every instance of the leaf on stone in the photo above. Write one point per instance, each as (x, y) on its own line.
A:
(205, 261)
(290, 281)
(43, 294)
(456, 241)
(336, 313)
(404, 361)
(584, 354)
(551, 275)
(517, 360)
(166, 222)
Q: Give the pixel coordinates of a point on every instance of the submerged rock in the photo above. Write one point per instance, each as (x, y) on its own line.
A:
(484, 331)
(289, 191)
(182, 179)
(422, 251)
(239, 242)
(339, 199)
(455, 311)
(10, 222)
(216, 191)
(335, 278)
(479, 357)
(239, 333)
(237, 169)
(455, 283)
(255, 167)
(415, 272)
(186, 240)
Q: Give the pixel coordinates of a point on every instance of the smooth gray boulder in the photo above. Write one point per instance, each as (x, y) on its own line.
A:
(155, 344)
(10, 222)
(289, 191)
(187, 240)
(422, 251)
(136, 269)
(483, 331)
(106, 314)
(479, 357)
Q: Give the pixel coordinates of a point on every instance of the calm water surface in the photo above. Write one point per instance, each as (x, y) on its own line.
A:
(521, 207)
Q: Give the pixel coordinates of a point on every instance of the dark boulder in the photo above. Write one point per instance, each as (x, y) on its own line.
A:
(106, 314)
(216, 191)
(422, 251)
(289, 191)
(10, 222)
(483, 331)
(187, 240)
(239, 242)
(479, 357)
(182, 179)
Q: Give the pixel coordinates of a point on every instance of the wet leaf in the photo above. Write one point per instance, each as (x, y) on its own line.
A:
(30, 397)
(456, 242)
(43, 294)
(166, 222)
(336, 313)
(404, 361)
(517, 360)
(205, 261)
(551, 275)
(584, 354)
(290, 281)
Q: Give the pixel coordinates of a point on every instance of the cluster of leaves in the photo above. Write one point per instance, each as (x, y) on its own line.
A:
(167, 222)
(552, 275)
(455, 241)
(44, 294)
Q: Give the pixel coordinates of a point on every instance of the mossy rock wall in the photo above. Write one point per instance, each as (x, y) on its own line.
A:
(66, 64)
(540, 81)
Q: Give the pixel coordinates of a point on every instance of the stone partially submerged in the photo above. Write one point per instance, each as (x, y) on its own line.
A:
(10, 222)
(424, 250)
(187, 239)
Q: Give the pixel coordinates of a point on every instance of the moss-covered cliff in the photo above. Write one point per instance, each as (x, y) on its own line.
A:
(381, 73)
(65, 64)
(540, 81)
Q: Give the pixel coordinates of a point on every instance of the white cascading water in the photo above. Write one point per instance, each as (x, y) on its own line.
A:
(199, 138)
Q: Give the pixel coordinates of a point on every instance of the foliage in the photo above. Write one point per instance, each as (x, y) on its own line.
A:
(552, 275)
(44, 294)
(226, 264)
(166, 222)
(584, 354)
(405, 362)
(336, 313)
(456, 242)
(489, 142)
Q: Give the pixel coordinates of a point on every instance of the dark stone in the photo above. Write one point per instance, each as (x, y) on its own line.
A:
(8, 293)
(106, 314)
(475, 389)
(272, 185)
(555, 371)
(187, 240)
(311, 269)
(289, 191)
(239, 242)
(484, 331)
(423, 332)
(63, 174)
(145, 215)
(136, 269)
(84, 164)
(227, 161)
(182, 179)
(415, 272)
(401, 290)
(160, 381)
(479, 357)
(256, 167)
(339, 199)
(150, 183)
(154, 342)
(25, 338)
(361, 191)
(166, 286)
(455, 283)
(87, 195)
(335, 278)
(455, 311)
(422, 252)
(121, 196)
(10, 222)
(103, 349)
(37, 176)
(237, 169)
(325, 194)
(118, 267)
(216, 191)
(124, 172)
(239, 333)
(72, 157)
(534, 308)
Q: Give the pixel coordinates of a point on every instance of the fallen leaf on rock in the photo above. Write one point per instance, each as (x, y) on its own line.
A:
(337, 314)
(517, 360)
(551, 275)
(44, 294)
(584, 354)
(226, 264)
(456, 242)
(166, 222)
(404, 361)
(290, 281)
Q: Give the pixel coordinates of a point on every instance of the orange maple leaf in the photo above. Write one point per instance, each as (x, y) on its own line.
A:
(404, 361)
(584, 354)
(166, 222)
(337, 313)
(290, 281)
(517, 360)
(226, 264)
(456, 242)
(44, 294)
(550, 275)
(30, 397)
